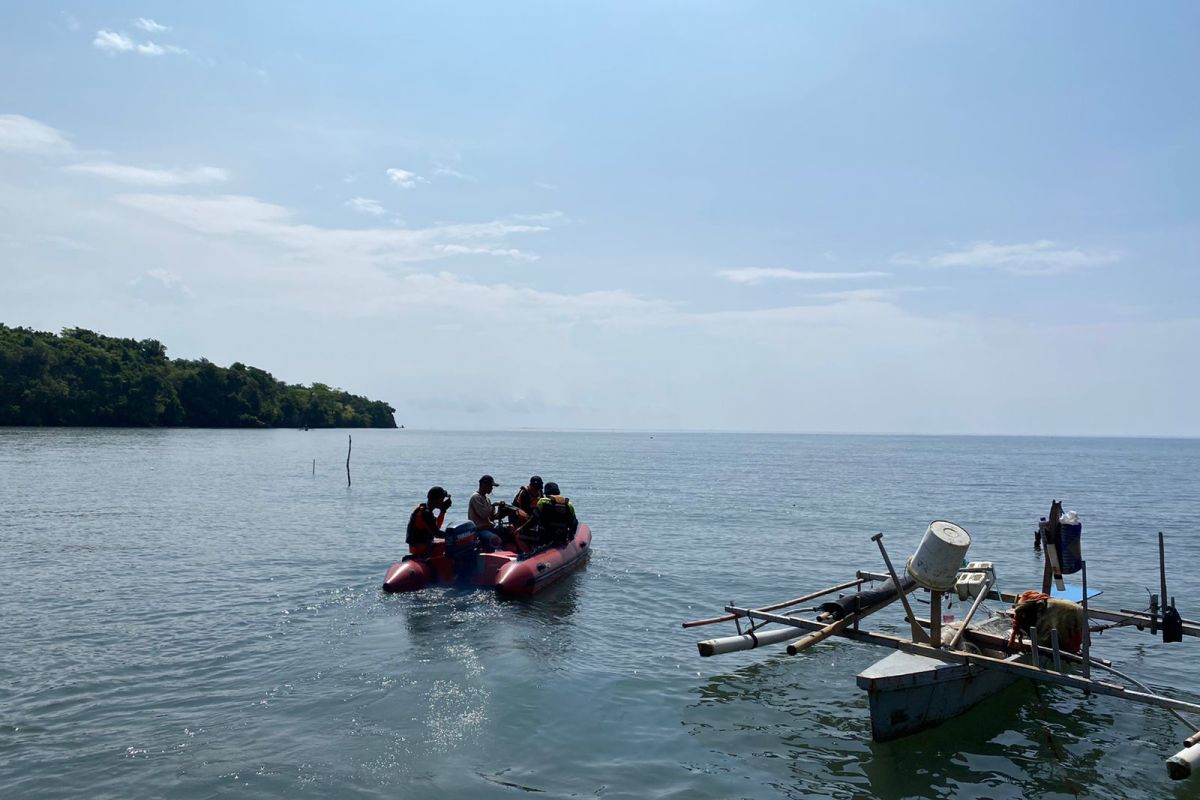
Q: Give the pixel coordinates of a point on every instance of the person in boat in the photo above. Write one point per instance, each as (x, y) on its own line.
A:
(527, 498)
(423, 525)
(553, 522)
(481, 512)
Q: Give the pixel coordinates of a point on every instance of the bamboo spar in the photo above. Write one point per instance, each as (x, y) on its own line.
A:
(786, 603)
(757, 638)
(834, 627)
(982, 661)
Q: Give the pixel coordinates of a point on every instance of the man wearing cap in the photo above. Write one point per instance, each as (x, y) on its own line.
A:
(527, 498)
(481, 512)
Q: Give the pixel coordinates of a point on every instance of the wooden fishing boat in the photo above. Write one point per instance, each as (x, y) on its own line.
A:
(940, 671)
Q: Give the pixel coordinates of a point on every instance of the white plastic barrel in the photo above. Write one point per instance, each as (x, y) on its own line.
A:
(941, 552)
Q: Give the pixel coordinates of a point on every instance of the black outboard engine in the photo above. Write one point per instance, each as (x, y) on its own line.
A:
(462, 547)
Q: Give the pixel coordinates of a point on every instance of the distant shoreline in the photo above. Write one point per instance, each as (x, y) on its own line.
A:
(85, 379)
(651, 432)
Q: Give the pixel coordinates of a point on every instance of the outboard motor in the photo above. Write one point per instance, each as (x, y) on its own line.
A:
(462, 548)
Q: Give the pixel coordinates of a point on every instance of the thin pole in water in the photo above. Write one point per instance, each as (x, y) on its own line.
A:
(349, 445)
(1162, 575)
(1087, 627)
(314, 468)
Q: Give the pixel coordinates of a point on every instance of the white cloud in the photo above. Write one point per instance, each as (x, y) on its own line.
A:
(752, 276)
(364, 205)
(20, 134)
(113, 42)
(239, 215)
(464, 250)
(161, 286)
(546, 216)
(442, 170)
(143, 176)
(403, 178)
(150, 26)
(1043, 257)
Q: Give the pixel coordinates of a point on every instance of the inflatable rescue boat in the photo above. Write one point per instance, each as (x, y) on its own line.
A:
(457, 558)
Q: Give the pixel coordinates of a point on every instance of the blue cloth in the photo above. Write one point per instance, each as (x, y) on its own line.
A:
(489, 539)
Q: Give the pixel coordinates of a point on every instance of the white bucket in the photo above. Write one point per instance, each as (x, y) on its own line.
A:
(941, 552)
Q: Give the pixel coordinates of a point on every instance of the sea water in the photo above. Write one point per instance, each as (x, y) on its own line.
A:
(194, 614)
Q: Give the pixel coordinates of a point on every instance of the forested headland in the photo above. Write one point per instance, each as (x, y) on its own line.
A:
(85, 378)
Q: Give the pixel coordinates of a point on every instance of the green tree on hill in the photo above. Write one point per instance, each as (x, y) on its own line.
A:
(85, 378)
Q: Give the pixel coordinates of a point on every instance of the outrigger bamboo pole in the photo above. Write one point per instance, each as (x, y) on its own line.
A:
(1180, 765)
(832, 628)
(745, 641)
(795, 601)
(1127, 616)
(970, 613)
(918, 634)
(985, 662)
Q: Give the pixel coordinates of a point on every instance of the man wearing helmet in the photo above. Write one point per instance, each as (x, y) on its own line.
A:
(553, 521)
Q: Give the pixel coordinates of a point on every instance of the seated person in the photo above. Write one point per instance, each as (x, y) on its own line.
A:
(553, 521)
(423, 525)
(481, 512)
(527, 497)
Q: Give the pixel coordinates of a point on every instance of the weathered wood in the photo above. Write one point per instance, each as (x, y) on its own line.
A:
(1020, 670)
(1162, 576)
(918, 633)
(832, 628)
(785, 604)
(1087, 628)
(935, 618)
(1180, 765)
(1126, 616)
(970, 614)
(349, 445)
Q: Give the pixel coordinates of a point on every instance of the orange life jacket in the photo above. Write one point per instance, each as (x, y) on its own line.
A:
(525, 500)
(420, 531)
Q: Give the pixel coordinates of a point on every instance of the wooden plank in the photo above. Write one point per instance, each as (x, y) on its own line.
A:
(786, 603)
(951, 656)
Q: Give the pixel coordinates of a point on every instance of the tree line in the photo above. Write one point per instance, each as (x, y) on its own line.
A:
(84, 378)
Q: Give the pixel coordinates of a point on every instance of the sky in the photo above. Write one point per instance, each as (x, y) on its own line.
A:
(933, 218)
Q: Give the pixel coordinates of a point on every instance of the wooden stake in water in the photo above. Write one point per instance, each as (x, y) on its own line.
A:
(314, 468)
(349, 445)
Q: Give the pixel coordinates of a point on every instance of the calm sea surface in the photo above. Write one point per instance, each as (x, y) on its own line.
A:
(193, 614)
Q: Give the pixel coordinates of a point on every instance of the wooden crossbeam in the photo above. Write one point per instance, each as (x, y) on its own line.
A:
(986, 662)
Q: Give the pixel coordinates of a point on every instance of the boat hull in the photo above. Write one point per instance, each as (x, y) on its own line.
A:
(506, 571)
(909, 693)
(528, 576)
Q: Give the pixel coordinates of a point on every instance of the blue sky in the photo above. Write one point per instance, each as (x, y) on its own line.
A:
(934, 218)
